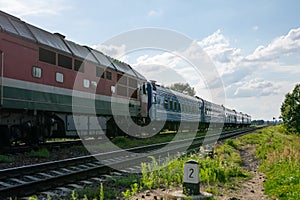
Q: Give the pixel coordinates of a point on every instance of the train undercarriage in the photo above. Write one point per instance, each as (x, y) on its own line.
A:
(34, 127)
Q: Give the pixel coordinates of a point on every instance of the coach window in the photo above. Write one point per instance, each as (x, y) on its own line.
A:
(59, 77)
(78, 66)
(175, 106)
(154, 99)
(36, 72)
(47, 56)
(166, 103)
(171, 105)
(99, 72)
(64, 61)
(108, 75)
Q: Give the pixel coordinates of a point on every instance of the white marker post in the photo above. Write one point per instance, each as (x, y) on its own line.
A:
(191, 182)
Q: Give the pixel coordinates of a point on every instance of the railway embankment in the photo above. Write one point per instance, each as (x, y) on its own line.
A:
(262, 165)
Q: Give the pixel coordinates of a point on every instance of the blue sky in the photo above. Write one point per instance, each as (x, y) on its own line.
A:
(255, 45)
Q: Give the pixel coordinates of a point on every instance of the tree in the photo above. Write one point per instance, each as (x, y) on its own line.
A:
(184, 88)
(290, 110)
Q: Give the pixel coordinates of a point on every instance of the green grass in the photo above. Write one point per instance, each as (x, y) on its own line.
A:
(6, 159)
(279, 155)
(124, 142)
(40, 153)
(112, 189)
(224, 168)
(93, 193)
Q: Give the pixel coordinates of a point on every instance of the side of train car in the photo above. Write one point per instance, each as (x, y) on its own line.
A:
(53, 87)
(44, 77)
(182, 110)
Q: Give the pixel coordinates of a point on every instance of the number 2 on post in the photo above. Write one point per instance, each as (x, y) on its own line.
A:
(191, 173)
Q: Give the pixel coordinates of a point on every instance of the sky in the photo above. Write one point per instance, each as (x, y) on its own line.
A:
(253, 45)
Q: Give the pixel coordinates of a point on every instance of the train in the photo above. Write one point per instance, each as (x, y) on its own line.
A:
(53, 87)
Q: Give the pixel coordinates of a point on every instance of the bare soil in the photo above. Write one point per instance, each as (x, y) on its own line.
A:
(251, 189)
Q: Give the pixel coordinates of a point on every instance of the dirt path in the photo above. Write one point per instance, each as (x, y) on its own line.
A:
(251, 189)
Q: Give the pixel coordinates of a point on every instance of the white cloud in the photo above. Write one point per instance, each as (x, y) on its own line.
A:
(225, 57)
(32, 7)
(162, 74)
(167, 59)
(117, 52)
(256, 83)
(256, 88)
(166, 68)
(236, 68)
(281, 46)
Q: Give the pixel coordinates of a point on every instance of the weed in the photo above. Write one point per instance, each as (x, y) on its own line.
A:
(126, 194)
(6, 159)
(33, 198)
(74, 195)
(232, 143)
(101, 193)
(211, 171)
(41, 153)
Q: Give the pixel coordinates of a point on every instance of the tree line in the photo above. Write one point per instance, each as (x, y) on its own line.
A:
(290, 110)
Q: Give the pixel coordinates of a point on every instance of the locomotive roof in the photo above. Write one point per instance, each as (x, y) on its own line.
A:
(16, 26)
(102, 59)
(80, 51)
(48, 39)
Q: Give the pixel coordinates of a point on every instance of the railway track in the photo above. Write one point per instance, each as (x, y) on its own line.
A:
(31, 179)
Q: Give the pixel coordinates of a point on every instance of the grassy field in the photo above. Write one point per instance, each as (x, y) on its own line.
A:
(279, 155)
